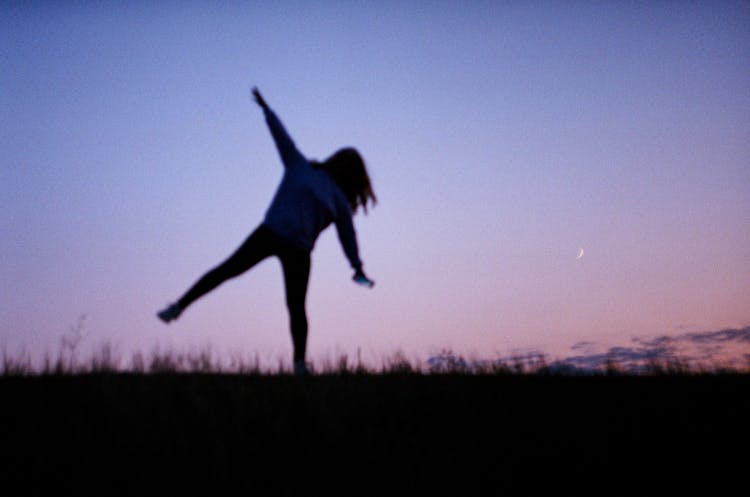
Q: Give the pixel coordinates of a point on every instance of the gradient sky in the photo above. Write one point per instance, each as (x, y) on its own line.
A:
(500, 137)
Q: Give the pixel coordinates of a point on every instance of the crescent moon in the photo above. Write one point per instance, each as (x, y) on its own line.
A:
(580, 253)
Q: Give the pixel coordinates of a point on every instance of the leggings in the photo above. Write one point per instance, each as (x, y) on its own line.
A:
(295, 264)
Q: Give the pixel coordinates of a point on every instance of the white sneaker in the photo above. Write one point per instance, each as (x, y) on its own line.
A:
(300, 368)
(172, 312)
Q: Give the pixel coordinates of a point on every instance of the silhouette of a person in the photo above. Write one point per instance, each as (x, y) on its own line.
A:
(310, 197)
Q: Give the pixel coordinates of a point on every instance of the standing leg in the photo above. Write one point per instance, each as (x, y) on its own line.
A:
(296, 266)
(256, 247)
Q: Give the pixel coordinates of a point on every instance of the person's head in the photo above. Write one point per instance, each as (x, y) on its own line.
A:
(347, 168)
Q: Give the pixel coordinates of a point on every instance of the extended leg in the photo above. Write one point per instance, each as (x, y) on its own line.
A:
(256, 247)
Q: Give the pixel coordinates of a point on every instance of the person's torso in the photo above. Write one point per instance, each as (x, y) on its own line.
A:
(303, 206)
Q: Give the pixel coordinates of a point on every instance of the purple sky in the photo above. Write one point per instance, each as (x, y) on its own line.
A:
(500, 138)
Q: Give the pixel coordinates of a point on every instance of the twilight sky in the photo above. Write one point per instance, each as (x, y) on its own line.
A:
(501, 137)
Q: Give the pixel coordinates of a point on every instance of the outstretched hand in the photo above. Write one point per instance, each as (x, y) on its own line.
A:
(360, 278)
(259, 98)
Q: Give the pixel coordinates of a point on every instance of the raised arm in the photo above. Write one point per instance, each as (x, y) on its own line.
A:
(290, 156)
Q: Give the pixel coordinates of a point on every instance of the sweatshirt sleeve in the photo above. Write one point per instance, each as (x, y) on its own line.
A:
(287, 150)
(347, 235)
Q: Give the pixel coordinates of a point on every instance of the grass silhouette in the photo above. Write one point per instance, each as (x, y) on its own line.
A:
(106, 359)
(190, 422)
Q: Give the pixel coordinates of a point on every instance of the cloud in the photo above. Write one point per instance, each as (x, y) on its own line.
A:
(704, 337)
(691, 349)
(625, 358)
(721, 348)
(728, 335)
(584, 346)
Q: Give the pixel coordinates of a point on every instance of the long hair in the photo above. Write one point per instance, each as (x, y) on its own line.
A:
(347, 168)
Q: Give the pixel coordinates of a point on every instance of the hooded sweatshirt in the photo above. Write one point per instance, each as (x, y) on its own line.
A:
(307, 200)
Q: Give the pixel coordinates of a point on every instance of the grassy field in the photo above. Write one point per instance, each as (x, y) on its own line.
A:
(372, 434)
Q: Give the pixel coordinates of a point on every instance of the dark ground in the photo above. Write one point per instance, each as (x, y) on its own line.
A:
(373, 434)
